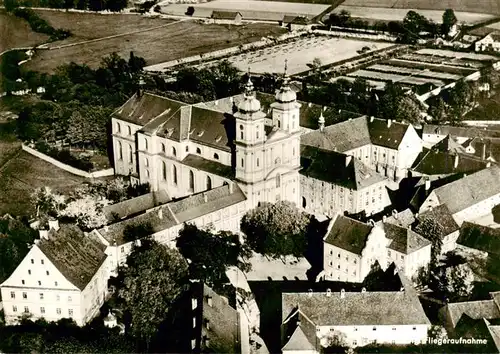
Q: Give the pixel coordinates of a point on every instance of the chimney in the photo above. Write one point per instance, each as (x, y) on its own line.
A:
(298, 322)
(160, 213)
(342, 293)
(53, 224)
(389, 122)
(205, 198)
(427, 184)
(216, 102)
(209, 300)
(371, 119)
(348, 159)
(230, 187)
(363, 290)
(140, 87)
(488, 164)
(328, 292)
(455, 164)
(194, 303)
(371, 223)
(310, 291)
(207, 341)
(395, 213)
(106, 228)
(384, 218)
(207, 323)
(44, 234)
(321, 122)
(483, 154)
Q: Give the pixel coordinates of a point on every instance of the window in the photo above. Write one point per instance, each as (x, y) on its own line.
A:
(216, 156)
(70, 312)
(41, 261)
(187, 148)
(374, 328)
(122, 249)
(163, 149)
(354, 343)
(257, 162)
(130, 154)
(338, 255)
(58, 311)
(29, 271)
(293, 151)
(39, 283)
(198, 151)
(146, 162)
(120, 151)
(393, 328)
(26, 309)
(42, 309)
(145, 144)
(12, 295)
(129, 130)
(69, 298)
(14, 308)
(174, 174)
(414, 328)
(278, 180)
(164, 170)
(209, 182)
(32, 261)
(402, 257)
(191, 180)
(174, 152)
(279, 124)
(55, 283)
(241, 135)
(41, 296)
(242, 163)
(355, 261)
(25, 295)
(118, 128)
(338, 267)
(58, 297)
(389, 253)
(257, 134)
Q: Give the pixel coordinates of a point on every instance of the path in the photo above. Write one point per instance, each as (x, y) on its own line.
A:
(46, 46)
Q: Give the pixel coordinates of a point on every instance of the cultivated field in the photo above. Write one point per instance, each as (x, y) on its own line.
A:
(302, 52)
(249, 9)
(176, 41)
(15, 33)
(481, 6)
(22, 175)
(392, 14)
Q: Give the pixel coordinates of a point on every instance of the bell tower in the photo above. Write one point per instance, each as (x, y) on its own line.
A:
(286, 109)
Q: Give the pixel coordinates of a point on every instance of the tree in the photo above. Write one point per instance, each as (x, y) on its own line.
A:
(47, 202)
(137, 231)
(460, 99)
(413, 24)
(437, 332)
(87, 211)
(432, 231)
(407, 110)
(457, 281)
(154, 278)
(390, 101)
(449, 19)
(438, 110)
(276, 229)
(212, 253)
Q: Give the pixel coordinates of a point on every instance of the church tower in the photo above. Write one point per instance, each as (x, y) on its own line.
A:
(268, 160)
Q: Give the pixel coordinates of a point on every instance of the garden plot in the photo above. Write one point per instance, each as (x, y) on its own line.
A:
(395, 78)
(302, 52)
(475, 64)
(456, 55)
(414, 72)
(433, 67)
(391, 14)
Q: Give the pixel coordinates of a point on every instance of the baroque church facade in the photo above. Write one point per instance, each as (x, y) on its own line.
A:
(186, 149)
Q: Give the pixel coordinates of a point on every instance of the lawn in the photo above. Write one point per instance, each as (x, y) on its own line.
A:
(15, 32)
(302, 52)
(22, 175)
(179, 40)
(481, 6)
(398, 14)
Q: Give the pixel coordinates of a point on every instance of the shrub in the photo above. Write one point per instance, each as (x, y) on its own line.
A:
(65, 157)
(39, 25)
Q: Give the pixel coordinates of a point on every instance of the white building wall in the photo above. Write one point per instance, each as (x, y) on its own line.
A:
(341, 265)
(479, 209)
(124, 139)
(450, 242)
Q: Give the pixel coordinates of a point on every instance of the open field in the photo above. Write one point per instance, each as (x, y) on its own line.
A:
(22, 175)
(179, 40)
(392, 14)
(481, 6)
(249, 9)
(87, 26)
(302, 52)
(15, 32)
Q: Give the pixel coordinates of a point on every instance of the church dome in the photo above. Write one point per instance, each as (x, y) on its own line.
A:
(249, 103)
(286, 94)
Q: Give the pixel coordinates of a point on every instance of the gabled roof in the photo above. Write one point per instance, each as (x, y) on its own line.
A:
(135, 205)
(442, 215)
(299, 332)
(463, 132)
(225, 15)
(404, 218)
(348, 234)
(490, 147)
(404, 240)
(382, 135)
(147, 107)
(474, 309)
(470, 190)
(337, 168)
(212, 128)
(436, 162)
(448, 144)
(480, 237)
(358, 308)
(77, 256)
(209, 166)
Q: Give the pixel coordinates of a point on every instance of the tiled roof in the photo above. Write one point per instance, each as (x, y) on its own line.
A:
(442, 215)
(300, 333)
(470, 190)
(469, 132)
(490, 147)
(404, 218)
(495, 335)
(480, 237)
(337, 168)
(224, 15)
(435, 162)
(209, 166)
(143, 109)
(212, 128)
(135, 205)
(348, 234)
(382, 135)
(404, 240)
(474, 309)
(195, 205)
(358, 308)
(448, 144)
(76, 255)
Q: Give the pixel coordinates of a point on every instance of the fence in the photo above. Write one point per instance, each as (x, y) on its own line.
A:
(70, 169)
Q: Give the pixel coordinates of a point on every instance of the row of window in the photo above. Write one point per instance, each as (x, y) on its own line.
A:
(374, 328)
(33, 261)
(39, 281)
(46, 272)
(41, 296)
(119, 129)
(42, 310)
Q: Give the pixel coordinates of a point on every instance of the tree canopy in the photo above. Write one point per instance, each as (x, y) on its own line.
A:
(449, 19)
(211, 253)
(276, 229)
(154, 278)
(432, 231)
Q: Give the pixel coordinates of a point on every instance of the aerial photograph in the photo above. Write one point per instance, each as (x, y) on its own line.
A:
(249, 176)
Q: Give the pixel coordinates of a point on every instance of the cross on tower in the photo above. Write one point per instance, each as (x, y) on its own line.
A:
(286, 66)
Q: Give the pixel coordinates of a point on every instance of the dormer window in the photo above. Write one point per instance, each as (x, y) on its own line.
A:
(216, 156)
(174, 152)
(201, 133)
(198, 151)
(219, 138)
(163, 149)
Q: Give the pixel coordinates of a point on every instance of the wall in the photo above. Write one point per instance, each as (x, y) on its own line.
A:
(95, 292)
(70, 169)
(450, 242)
(341, 265)
(479, 209)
